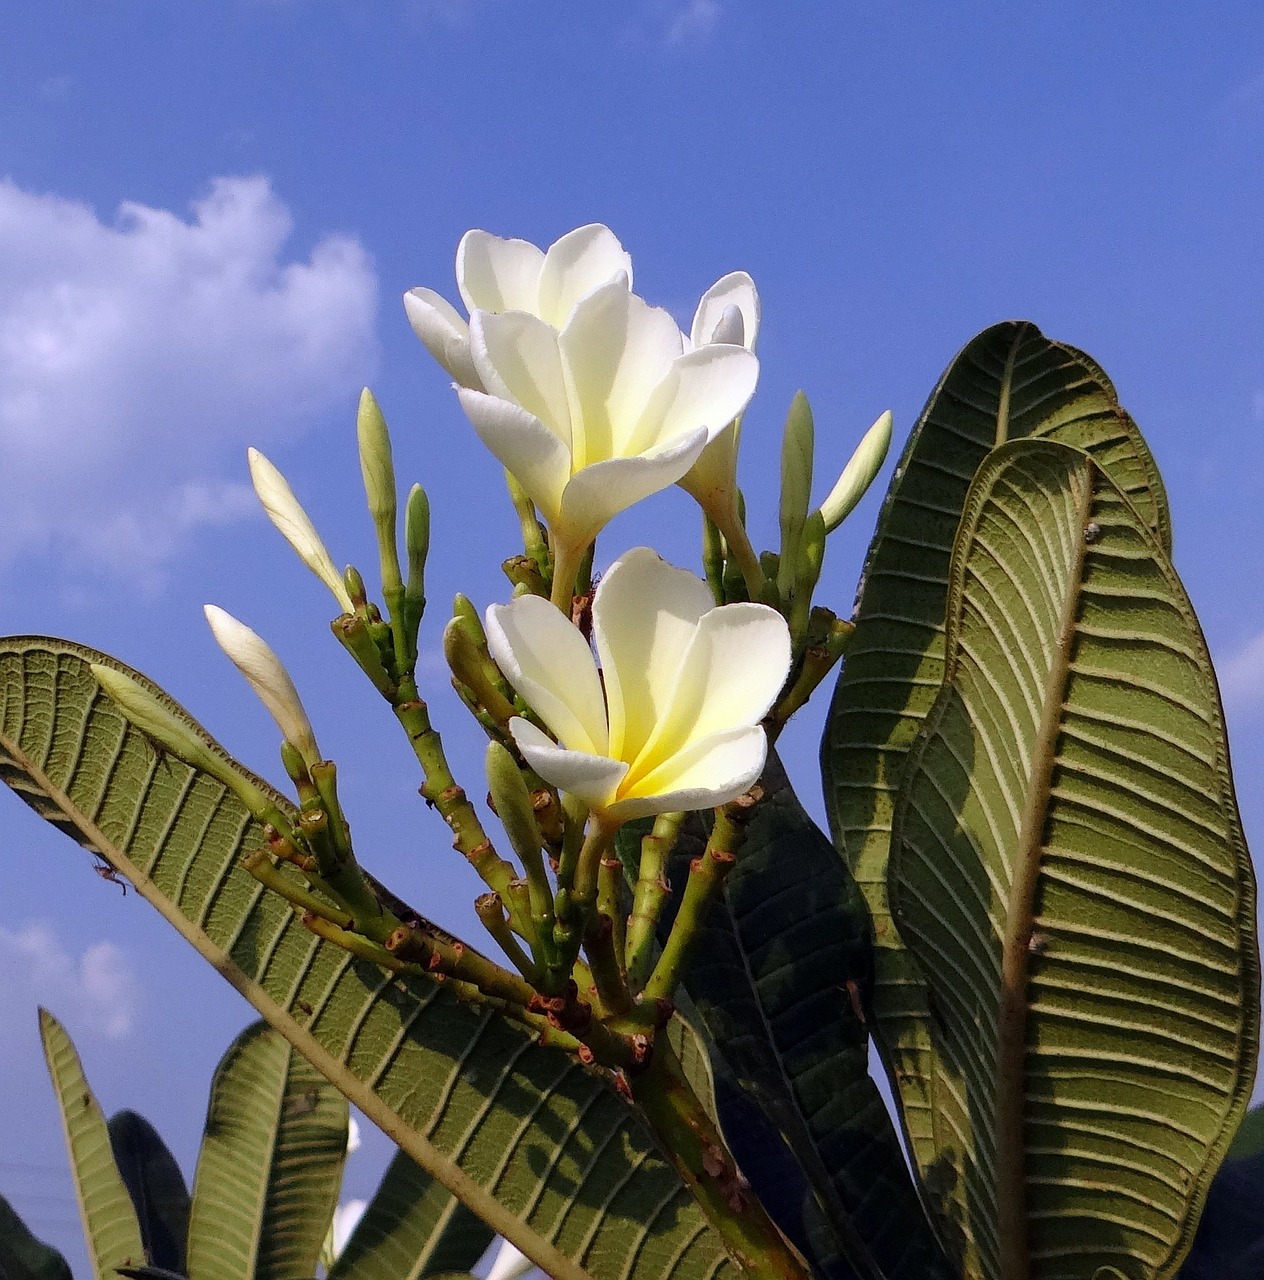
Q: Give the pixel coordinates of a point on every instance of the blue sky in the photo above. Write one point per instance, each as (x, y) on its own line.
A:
(208, 212)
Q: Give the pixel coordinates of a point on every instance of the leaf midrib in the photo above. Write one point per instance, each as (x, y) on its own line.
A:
(1011, 1146)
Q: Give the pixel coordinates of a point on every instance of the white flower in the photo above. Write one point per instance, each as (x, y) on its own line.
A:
(728, 313)
(511, 1263)
(686, 686)
(268, 678)
(346, 1218)
(603, 413)
(496, 275)
(294, 525)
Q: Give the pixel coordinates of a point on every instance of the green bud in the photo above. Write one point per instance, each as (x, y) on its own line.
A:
(378, 471)
(355, 587)
(159, 724)
(475, 671)
(464, 612)
(417, 542)
(796, 487)
(513, 804)
(858, 474)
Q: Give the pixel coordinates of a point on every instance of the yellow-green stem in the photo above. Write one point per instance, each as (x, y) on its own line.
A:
(693, 1145)
(649, 896)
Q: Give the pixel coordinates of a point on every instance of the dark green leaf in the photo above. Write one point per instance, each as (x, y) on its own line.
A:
(22, 1256)
(1008, 383)
(1069, 874)
(156, 1187)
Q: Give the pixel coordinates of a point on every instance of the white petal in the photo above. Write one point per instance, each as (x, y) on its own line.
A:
(443, 330)
(594, 779)
(525, 446)
(294, 525)
(517, 356)
(738, 290)
(710, 772)
(498, 275)
(734, 669)
(644, 614)
(704, 388)
(581, 261)
(599, 492)
(550, 664)
(616, 349)
(254, 658)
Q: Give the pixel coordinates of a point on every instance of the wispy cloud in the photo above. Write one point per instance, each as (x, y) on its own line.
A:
(95, 988)
(139, 356)
(1241, 676)
(693, 22)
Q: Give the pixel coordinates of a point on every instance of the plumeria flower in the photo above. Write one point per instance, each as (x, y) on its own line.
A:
(253, 657)
(686, 685)
(496, 275)
(728, 313)
(602, 413)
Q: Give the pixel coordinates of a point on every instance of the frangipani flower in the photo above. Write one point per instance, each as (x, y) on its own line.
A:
(686, 686)
(496, 275)
(254, 658)
(727, 313)
(602, 413)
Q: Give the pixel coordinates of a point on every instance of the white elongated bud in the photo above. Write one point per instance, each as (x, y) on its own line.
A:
(170, 733)
(859, 473)
(294, 525)
(252, 656)
(797, 447)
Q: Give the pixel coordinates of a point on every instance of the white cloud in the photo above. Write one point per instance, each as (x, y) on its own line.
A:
(95, 989)
(139, 357)
(695, 21)
(1241, 675)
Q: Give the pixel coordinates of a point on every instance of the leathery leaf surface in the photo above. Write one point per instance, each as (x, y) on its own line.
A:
(1008, 383)
(1069, 873)
(543, 1150)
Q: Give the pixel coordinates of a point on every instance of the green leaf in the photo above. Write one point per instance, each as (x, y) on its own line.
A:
(270, 1165)
(109, 1221)
(22, 1256)
(1069, 873)
(1249, 1139)
(1010, 382)
(156, 1187)
(778, 978)
(413, 1227)
(541, 1149)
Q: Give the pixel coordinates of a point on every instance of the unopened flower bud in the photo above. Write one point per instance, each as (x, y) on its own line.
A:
(378, 471)
(294, 525)
(858, 474)
(512, 801)
(417, 540)
(268, 678)
(796, 487)
(164, 728)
